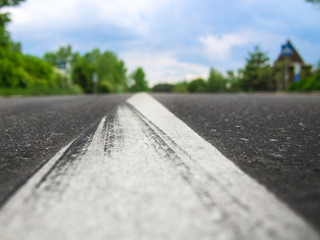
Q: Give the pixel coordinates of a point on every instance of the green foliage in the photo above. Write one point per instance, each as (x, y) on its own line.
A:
(64, 53)
(23, 74)
(197, 86)
(28, 73)
(106, 87)
(180, 87)
(50, 58)
(4, 17)
(140, 84)
(110, 70)
(163, 87)
(37, 67)
(314, 1)
(82, 75)
(216, 81)
(233, 82)
(12, 73)
(4, 3)
(308, 84)
(22, 71)
(40, 91)
(257, 72)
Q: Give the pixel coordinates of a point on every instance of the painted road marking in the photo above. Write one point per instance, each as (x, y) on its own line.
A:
(141, 173)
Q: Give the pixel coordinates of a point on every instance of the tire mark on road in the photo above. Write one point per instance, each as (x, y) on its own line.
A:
(143, 174)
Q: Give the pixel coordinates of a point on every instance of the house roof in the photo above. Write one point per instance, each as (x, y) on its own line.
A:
(294, 57)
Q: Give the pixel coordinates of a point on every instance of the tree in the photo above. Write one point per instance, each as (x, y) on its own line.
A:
(197, 85)
(4, 17)
(181, 87)
(233, 81)
(313, 1)
(311, 83)
(82, 75)
(216, 81)
(21, 73)
(9, 2)
(50, 58)
(11, 74)
(63, 54)
(257, 71)
(110, 70)
(163, 87)
(140, 83)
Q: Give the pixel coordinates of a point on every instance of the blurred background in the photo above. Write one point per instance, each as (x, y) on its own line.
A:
(107, 46)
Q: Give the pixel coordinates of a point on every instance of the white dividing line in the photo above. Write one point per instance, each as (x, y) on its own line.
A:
(144, 174)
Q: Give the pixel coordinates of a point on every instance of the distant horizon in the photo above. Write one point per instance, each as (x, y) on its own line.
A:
(172, 40)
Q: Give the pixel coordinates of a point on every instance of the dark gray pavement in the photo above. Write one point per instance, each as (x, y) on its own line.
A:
(33, 129)
(273, 138)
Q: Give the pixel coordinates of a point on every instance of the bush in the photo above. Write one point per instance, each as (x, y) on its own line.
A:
(180, 87)
(309, 84)
(197, 85)
(105, 87)
(163, 87)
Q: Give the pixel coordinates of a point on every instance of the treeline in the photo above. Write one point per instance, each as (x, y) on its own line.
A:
(98, 72)
(215, 83)
(61, 72)
(257, 75)
(311, 83)
(25, 74)
(67, 72)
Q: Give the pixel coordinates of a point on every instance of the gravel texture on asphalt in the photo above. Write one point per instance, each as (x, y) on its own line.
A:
(34, 129)
(273, 138)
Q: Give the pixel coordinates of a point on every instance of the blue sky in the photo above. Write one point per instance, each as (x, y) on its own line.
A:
(171, 39)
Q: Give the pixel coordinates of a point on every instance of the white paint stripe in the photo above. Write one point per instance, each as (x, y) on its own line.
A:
(156, 179)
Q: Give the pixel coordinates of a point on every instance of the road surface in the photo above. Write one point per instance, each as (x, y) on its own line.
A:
(135, 171)
(34, 129)
(273, 138)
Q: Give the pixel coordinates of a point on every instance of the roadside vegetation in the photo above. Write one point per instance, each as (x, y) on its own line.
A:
(69, 72)
(24, 74)
(311, 83)
(61, 72)
(257, 76)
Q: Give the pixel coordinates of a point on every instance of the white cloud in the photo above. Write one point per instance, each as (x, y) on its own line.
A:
(220, 48)
(163, 67)
(187, 32)
(76, 14)
(40, 15)
(127, 13)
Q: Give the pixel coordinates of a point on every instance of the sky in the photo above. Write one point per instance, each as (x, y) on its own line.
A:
(172, 40)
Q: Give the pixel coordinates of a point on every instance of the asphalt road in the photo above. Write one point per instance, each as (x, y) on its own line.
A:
(33, 129)
(273, 138)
